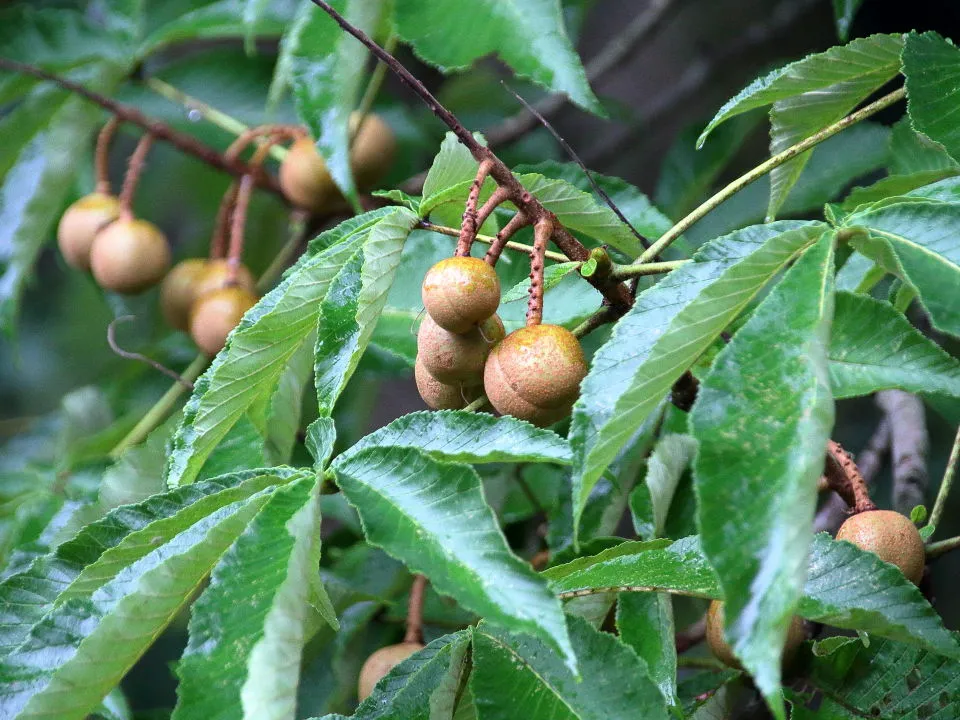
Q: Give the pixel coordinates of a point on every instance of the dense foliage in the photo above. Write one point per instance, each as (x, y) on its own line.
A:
(550, 571)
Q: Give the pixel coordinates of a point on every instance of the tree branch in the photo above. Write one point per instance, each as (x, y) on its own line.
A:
(909, 446)
(160, 131)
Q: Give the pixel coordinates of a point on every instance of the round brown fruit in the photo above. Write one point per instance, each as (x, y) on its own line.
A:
(217, 313)
(80, 224)
(216, 274)
(891, 536)
(178, 292)
(796, 634)
(459, 293)
(535, 374)
(307, 182)
(457, 359)
(129, 256)
(382, 662)
(440, 396)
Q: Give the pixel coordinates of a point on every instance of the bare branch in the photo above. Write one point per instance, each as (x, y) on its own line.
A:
(908, 447)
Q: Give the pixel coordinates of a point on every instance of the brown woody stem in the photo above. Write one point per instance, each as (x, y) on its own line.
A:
(468, 228)
(845, 478)
(541, 236)
(503, 237)
(132, 178)
(414, 632)
(486, 210)
(101, 158)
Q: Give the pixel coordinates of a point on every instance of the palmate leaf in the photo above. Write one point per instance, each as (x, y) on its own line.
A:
(873, 347)
(433, 517)
(261, 346)
(352, 305)
(247, 630)
(422, 687)
(664, 333)
(846, 587)
(517, 677)
(932, 68)
(469, 437)
(762, 419)
(810, 94)
(918, 241)
(75, 655)
(103, 548)
(327, 68)
(530, 38)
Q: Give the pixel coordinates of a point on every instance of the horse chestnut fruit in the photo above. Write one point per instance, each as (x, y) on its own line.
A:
(796, 634)
(440, 396)
(216, 314)
(80, 224)
(535, 374)
(459, 293)
(457, 359)
(129, 256)
(382, 662)
(192, 279)
(891, 536)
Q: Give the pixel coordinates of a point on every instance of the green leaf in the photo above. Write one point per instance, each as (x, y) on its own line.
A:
(351, 308)
(102, 548)
(645, 623)
(873, 347)
(469, 437)
(74, 656)
(422, 687)
(893, 186)
(280, 418)
(327, 68)
(616, 682)
(845, 10)
(452, 167)
(434, 518)
(531, 39)
(261, 347)
(552, 276)
(762, 420)
(650, 502)
(923, 236)
(932, 68)
(664, 333)
(247, 628)
(913, 152)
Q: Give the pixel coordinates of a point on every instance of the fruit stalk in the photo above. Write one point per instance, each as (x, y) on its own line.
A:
(468, 228)
(130, 180)
(101, 156)
(502, 240)
(846, 480)
(541, 235)
(414, 632)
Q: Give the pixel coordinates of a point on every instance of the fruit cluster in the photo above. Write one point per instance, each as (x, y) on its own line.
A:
(533, 373)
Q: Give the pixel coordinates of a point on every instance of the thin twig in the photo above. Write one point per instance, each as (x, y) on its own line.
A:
(937, 549)
(468, 227)
(414, 632)
(488, 240)
(541, 235)
(908, 448)
(112, 342)
(845, 478)
(102, 155)
(623, 272)
(576, 158)
(947, 483)
(869, 460)
(132, 178)
(161, 131)
(373, 87)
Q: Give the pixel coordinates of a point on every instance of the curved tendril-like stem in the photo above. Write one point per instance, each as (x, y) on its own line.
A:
(134, 170)
(102, 155)
(126, 354)
(468, 228)
(947, 483)
(541, 236)
(502, 240)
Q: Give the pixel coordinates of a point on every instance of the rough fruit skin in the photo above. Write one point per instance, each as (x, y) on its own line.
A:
(796, 634)
(304, 176)
(178, 292)
(217, 313)
(535, 374)
(440, 396)
(129, 256)
(382, 662)
(80, 224)
(457, 359)
(890, 535)
(460, 293)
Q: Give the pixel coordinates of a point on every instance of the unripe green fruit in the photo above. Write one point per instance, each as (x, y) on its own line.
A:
(216, 314)
(459, 293)
(80, 224)
(304, 176)
(535, 374)
(440, 396)
(796, 634)
(457, 359)
(380, 663)
(129, 256)
(891, 536)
